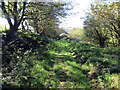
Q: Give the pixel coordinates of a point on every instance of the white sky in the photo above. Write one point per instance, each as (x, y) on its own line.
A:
(71, 21)
(76, 20)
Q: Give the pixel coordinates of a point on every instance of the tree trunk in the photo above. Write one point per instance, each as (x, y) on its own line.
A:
(11, 33)
(16, 16)
(102, 42)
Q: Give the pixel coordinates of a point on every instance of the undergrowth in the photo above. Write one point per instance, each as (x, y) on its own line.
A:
(60, 64)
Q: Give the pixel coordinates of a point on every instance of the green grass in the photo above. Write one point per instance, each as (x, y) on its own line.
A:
(2, 28)
(63, 67)
(66, 71)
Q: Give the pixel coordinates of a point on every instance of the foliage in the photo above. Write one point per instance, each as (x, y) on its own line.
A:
(19, 55)
(44, 17)
(13, 11)
(102, 24)
(35, 60)
(63, 36)
(64, 64)
(77, 33)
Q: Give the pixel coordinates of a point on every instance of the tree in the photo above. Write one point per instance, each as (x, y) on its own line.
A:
(95, 29)
(44, 17)
(13, 11)
(113, 18)
(103, 22)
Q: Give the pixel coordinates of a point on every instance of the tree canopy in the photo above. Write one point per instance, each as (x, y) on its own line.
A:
(13, 11)
(42, 16)
(103, 23)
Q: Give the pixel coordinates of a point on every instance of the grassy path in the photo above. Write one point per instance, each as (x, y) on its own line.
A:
(76, 65)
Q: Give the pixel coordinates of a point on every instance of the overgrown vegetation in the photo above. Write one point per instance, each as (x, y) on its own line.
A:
(39, 58)
(61, 64)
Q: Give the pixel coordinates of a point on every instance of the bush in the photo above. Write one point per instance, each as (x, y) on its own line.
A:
(18, 55)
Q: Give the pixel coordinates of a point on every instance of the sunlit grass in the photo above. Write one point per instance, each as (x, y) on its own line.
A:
(60, 68)
(3, 28)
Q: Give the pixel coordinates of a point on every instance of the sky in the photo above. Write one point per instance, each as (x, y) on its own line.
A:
(82, 7)
(76, 21)
(72, 21)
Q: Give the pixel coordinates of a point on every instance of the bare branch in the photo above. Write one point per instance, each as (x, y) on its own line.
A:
(15, 13)
(24, 6)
